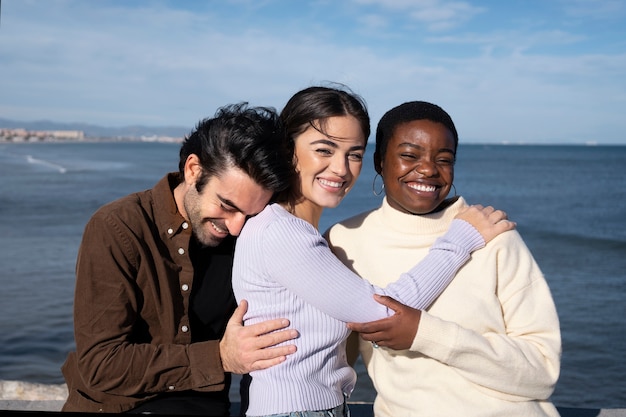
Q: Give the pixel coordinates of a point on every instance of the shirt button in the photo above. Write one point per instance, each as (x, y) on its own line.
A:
(185, 329)
(171, 388)
(185, 225)
(181, 251)
(185, 287)
(170, 231)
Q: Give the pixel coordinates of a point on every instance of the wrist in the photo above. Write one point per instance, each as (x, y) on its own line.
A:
(463, 234)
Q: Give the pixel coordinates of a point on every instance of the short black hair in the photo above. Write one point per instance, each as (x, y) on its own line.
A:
(408, 112)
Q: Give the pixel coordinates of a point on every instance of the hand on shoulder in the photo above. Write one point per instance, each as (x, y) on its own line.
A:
(487, 220)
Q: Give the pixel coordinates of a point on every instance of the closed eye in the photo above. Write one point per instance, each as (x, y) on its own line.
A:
(354, 156)
(324, 151)
(228, 209)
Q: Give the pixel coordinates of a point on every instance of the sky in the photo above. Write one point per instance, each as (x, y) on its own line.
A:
(507, 71)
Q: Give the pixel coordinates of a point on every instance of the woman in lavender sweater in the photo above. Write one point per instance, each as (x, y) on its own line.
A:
(284, 268)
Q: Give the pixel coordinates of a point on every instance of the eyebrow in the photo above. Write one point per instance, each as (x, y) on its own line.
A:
(229, 203)
(421, 148)
(334, 145)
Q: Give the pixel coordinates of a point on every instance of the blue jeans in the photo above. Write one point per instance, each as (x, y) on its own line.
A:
(340, 411)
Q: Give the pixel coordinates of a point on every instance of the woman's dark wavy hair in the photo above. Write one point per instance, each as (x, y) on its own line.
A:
(312, 107)
(408, 112)
(249, 138)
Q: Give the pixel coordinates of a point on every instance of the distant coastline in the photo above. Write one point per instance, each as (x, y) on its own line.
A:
(168, 139)
(47, 131)
(176, 134)
(34, 132)
(21, 135)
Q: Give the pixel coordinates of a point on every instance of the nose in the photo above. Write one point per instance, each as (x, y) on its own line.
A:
(426, 167)
(235, 223)
(339, 165)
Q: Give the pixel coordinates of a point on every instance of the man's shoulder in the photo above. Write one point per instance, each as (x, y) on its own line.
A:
(141, 201)
(131, 211)
(129, 203)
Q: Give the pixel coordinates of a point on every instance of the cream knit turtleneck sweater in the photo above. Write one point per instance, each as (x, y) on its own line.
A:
(488, 346)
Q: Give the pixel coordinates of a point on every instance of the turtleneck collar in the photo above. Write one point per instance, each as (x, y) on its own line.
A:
(432, 223)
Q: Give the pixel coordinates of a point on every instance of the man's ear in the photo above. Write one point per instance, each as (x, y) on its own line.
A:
(193, 169)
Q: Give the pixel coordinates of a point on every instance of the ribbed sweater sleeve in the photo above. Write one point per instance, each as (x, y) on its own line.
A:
(295, 256)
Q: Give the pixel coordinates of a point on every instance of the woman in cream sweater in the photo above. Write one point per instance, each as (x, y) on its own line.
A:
(490, 344)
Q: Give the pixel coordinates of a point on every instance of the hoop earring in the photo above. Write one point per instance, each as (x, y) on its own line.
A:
(454, 190)
(374, 185)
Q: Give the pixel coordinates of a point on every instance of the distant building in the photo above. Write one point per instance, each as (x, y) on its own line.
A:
(68, 134)
(23, 135)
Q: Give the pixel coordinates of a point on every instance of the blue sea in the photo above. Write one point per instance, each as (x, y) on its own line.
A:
(569, 203)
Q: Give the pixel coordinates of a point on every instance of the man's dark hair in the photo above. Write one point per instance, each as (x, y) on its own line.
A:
(249, 138)
(408, 112)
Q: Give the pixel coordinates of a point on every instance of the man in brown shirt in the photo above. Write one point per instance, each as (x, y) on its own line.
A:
(153, 291)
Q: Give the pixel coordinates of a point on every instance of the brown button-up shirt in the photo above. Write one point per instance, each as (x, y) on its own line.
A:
(133, 313)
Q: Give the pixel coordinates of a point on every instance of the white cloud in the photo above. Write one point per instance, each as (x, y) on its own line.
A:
(437, 15)
(73, 61)
(595, 9)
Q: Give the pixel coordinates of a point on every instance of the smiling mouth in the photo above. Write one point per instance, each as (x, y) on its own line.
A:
(328, 183)
(218, 229)
(422, 187)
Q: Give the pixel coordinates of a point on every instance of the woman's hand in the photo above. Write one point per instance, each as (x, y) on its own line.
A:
(394, 332)
(488, 221)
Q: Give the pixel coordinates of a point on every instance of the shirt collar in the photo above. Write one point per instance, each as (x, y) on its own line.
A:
(168, 219)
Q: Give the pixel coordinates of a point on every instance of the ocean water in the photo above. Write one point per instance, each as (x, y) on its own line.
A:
(569, 203)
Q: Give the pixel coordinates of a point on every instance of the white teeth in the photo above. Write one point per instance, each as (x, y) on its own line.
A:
(330, 183)
(217, 229)
(422, 187)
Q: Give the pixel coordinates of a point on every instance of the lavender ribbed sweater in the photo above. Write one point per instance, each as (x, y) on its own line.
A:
(284, 268)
